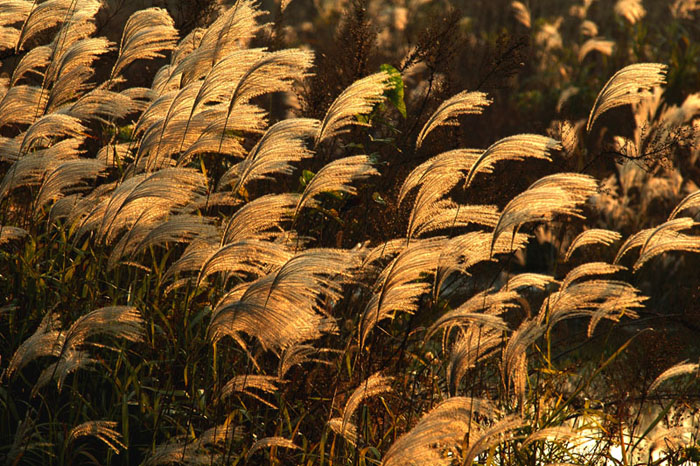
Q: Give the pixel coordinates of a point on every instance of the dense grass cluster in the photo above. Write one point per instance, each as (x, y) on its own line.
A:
(366, 232)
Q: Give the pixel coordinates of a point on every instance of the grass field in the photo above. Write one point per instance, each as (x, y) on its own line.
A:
(349, 233)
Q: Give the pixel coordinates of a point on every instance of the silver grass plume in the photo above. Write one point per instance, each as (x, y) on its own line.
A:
(47, 340)
(202, 451)
(631, 10)
(628, 86)
(211, 137)
(52, 12)
(14, 104)
(665, 238)
(463, 251)
(281, 145)
(298, 354)
(259, 218)
(375, 385)
(435, 178)
(14, 11)
(70, 361)
(558, 194)
(641, 238)
(682, 368)
(597, 44)
(481, 309)
(147, 33)
(241, 384)
(274, 72)
(592, 236)
(282, 308)
(156, 111)
(668, 440)
(691, 201)
(441, 173)
(70, 74)
(596, 298)
(101, 105)
(514, 359)
(399, 286)
(48, 127)
(203, 133)
(560, 434)
(244, 258)
(159, 126)
(160, 193)
(10, 233)
(267, 442)
(8, 37)
(358, 98)
(443, 428)
(102, 430)
(336, 176)
(587, 270)
(185, 47)
(182, 228)
(521, 13)
(26, 439)
(530, 280)
(500, 431)
(348, 430)
(445, 214)
(231, 31)
(33, 62)
(385, 250)
(31, 169)
(220, 81)
(191, 260)
(464, 103)
(473, 345)
(75, 207)
(518, 148)
(66, 178)
(123, 322)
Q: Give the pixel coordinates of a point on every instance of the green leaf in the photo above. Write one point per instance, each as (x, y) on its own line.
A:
(396, 93)
(378, 199)
(305, 177)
